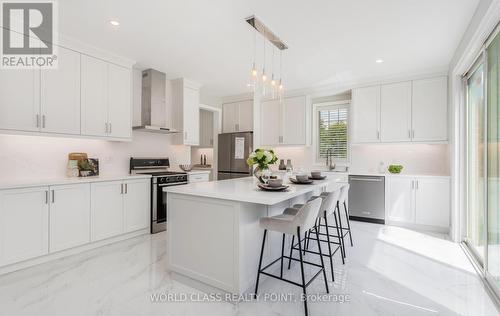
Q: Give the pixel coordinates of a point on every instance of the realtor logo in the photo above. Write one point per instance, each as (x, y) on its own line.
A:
(28, 34)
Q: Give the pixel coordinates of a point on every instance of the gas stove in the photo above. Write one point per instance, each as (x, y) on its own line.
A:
(161, 177)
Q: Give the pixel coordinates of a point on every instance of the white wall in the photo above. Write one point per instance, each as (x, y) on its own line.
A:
(416, 158)
(196, 152)
(29, 157)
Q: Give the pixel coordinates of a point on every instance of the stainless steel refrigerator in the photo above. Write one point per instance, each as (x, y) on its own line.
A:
(234, 149)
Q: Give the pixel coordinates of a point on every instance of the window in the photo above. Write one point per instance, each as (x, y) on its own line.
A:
(332, 132)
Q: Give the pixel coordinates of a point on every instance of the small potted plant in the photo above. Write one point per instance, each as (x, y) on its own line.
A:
(262, 159)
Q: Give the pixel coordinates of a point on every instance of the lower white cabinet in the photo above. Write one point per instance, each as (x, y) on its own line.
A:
(118, 207)
(106, 209)
(419, 200)
(69, 216)
(24, 224)
(198, 177)
(136, 200)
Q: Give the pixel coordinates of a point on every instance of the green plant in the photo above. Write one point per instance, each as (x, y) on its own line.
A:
(263, 158)
(84, 165)
(395, 168)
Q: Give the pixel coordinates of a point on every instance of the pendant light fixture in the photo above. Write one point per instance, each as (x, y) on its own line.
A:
(275, 86)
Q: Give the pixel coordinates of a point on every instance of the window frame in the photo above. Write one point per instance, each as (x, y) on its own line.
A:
(333, 105)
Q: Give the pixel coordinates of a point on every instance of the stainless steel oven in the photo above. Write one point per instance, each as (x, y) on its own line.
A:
(161, 177)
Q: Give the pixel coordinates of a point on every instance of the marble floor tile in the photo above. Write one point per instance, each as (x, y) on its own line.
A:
(389, 271)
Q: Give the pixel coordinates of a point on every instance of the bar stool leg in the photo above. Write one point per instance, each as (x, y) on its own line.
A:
(321, 257)
(260, 261)
(282, 254)
(302, 272)
(348, 223)
(340, 226)
(338, 234)
(329, 246)
(291, 249)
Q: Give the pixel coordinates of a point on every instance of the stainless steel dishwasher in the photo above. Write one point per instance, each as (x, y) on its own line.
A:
(367, 198)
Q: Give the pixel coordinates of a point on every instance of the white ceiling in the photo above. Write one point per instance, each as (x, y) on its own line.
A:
(331, 41)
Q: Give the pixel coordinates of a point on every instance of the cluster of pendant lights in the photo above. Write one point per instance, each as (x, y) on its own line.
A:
(272, 87)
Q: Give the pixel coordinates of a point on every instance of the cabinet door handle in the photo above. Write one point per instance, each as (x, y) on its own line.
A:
(412, 185)
(378, 134)
(121, 188)
(43, 121)
(416, 183)
(412, 133)
(110, 128)
(126, 188)
(53, 196)
(409, 134)
(105, 128)
(38, 120)
(46, 197)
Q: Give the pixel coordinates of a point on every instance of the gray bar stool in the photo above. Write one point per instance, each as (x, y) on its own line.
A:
(302, 221)
(327, 209)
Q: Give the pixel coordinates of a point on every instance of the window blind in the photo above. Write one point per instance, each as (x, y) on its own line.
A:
(333, 133)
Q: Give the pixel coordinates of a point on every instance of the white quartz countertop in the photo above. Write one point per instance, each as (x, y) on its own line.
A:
(23, 183)
(246, 190)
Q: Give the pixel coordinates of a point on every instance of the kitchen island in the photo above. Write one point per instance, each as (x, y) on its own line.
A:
(213, 228)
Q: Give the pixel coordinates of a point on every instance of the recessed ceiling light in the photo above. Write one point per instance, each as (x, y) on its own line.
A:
(379, 61)
(114, 23)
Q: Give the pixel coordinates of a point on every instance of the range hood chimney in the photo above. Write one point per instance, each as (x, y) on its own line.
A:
(153, 104)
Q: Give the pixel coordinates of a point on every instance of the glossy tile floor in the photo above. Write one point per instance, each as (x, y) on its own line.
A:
(389, 271)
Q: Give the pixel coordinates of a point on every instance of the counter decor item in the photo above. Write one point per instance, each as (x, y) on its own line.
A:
(72, 170)
(262, 159)
(282, 165)
(88, 167)
(289, 167)
(186, 168)
(395, 168)
(316, 175)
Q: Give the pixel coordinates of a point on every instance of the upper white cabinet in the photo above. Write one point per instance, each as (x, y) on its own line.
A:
(84, 95)
(69, 216)
(365, 115)
(395, 112)
(287, 122)
(24, 219)
(106, 99)
(119, 101)
(206, 128)
(430, 109)
(186, 111)
(411, 111)
(237, 116)
(419, 200)
(60, 95)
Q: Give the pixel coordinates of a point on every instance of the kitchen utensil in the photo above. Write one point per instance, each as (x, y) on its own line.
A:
(308, 181)
(316, 174)
(318, 178)
(302, 177)
(275, 182)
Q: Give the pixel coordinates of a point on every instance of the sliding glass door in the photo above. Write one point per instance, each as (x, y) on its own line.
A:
(476, 171)
(492, 268)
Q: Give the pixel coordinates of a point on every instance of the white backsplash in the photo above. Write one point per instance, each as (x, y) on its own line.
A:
(28, 157)
(416, 158)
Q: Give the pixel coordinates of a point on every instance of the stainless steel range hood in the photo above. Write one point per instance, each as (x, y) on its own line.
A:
(154, 116)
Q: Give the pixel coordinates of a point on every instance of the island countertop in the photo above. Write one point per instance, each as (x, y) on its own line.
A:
(246, 190)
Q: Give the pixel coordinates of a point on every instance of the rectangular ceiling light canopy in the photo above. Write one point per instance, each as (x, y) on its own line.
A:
(266, 32)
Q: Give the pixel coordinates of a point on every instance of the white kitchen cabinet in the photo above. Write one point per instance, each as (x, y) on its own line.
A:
(69, 216)
(295, 121)
(186, 111)
(136, 204)
(237, 116)
(206, 129)
(285, 123)
(395, 112)
(423, 201)
(94, 90)
(24, 224)
(271, 123)
(430, 109)
(198, 177)
(119, 102)
(365, 115)
(106, 209)
(432, 201)
(20, 100)
(400, 199)
(60, 95)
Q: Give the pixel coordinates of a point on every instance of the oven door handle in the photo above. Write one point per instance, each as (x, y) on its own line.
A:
(171, 184)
